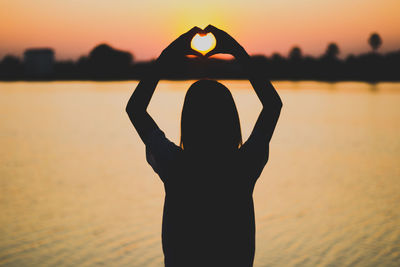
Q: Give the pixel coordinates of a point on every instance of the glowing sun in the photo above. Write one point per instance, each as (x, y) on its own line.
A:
(203, 43)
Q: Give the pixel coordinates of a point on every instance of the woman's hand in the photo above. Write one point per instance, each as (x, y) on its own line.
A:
(180, 47)
(226, 44)
(140, 99)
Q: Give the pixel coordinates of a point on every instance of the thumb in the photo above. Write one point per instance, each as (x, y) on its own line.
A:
(195, 53)
(211, 28)
(211, 53)
(193, 31)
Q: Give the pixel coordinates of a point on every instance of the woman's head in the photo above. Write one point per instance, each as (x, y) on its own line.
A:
(210, 120)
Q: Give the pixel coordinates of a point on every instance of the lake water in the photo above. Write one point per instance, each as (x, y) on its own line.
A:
(75, 189)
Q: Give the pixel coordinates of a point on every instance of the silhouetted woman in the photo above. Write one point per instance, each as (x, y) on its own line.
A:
(209, 179)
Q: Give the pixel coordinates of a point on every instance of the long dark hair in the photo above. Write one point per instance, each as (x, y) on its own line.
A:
(210, 118)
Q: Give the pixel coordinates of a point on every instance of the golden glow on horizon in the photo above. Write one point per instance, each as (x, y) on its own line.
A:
(203, 43)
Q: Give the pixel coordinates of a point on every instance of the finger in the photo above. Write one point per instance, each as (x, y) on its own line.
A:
(189, 34)
(192, 32)
(211, 28)
(195, 53)
(211, 53)
(202, 32)
(183, 39)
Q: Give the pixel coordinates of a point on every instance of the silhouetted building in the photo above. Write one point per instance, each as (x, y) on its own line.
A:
(39, 62)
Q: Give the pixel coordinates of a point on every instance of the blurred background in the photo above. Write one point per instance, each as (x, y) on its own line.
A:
(75, 189)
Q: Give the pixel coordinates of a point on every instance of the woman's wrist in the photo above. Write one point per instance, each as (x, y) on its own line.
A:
(153, 72)
(241, 55)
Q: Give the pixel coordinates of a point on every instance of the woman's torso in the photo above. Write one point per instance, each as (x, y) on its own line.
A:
(208, 212)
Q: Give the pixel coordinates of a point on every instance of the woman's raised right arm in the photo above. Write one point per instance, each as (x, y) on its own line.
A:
(140, 99)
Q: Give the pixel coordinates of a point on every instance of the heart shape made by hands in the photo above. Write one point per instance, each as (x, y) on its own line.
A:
(203, 43)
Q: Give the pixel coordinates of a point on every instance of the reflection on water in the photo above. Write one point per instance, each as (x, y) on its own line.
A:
(75, 188)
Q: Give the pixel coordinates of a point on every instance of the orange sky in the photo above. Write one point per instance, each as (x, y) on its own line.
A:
(74, 27)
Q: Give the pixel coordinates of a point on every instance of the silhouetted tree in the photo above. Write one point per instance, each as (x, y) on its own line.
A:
(107, 62)
(259, 59)
(294, 66)
(375, 41)
(277, 66)
(10, 60)
(332, 51)
(295, 53)
(329, 67)
(277, 57)
(350, 58)
(11, 67)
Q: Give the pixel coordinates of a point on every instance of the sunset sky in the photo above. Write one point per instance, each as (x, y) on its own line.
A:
(144, 28)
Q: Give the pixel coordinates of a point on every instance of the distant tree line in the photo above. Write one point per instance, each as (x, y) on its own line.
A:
(107, 63)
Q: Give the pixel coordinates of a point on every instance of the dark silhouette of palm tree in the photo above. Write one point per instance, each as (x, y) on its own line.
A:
(332, 51)
(375, 41)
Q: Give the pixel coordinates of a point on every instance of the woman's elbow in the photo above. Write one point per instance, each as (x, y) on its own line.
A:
(132, 110)
(279, 103)
(275, 104)
(129, 108)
